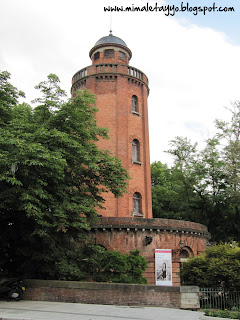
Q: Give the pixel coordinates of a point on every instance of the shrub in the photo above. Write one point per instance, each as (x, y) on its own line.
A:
(218, 267)
(113, 266)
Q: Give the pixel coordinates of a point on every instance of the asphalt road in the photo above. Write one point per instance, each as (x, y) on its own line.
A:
(41, 310)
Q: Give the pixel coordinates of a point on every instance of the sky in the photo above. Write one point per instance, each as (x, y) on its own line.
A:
(192, 61)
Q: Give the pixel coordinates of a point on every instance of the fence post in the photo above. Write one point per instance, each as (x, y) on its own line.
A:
(189, 297)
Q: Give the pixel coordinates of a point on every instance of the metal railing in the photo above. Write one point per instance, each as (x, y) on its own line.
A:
(219, 299)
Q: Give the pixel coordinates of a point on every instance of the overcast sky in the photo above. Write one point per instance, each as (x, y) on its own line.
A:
(192, 61)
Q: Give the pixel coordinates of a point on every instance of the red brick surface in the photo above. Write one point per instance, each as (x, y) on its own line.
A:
(114, 88)
(102, 293)
(126, 234)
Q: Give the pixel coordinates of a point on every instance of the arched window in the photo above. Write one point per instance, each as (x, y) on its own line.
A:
(136, 203)
(96, 56)
(135, 151)
(134, 103)
(184, 254)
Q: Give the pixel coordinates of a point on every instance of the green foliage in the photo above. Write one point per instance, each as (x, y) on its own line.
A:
(203, 186)
(218, 267)
(52, 179)
(172, 197)
(223, 314)
(8, 97)
(112, 266)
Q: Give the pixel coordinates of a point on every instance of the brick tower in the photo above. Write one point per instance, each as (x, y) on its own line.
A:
(127, 222)
(121, 92)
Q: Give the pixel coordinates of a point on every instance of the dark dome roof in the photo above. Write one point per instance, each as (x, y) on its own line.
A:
(110, 39)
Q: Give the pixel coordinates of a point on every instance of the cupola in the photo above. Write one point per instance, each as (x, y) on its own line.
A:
(110, 49)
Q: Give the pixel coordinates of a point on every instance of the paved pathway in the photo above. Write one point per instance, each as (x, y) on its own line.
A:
(39, 310)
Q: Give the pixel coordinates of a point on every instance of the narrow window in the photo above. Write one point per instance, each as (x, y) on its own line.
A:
(135, 103)
(122, 55)
(108, 53)
(96, 56)
(136, 203)
(135, 150)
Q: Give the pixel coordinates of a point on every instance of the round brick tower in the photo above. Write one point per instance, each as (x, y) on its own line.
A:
(127, 223)
(121, 92)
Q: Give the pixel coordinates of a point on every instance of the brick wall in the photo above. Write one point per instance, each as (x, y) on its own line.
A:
(112, 294)
(102, 293)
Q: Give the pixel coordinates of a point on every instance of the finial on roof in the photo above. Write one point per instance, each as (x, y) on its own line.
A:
(110, 26)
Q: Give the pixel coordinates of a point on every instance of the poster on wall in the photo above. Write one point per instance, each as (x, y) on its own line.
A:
(163, 267)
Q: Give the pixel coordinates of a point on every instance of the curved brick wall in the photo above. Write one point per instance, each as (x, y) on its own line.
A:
(169, 224)
(126, 234)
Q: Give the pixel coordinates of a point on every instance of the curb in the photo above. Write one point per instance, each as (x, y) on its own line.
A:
(213, 318)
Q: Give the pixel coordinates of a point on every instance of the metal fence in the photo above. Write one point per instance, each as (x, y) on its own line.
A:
(219, 299)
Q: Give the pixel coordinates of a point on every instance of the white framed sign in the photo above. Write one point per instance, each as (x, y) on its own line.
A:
(163, 267)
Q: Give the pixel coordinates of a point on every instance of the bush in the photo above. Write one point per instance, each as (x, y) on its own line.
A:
(218, 267)
(113, 266)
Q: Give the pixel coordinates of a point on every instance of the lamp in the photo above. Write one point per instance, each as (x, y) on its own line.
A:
(181, 244)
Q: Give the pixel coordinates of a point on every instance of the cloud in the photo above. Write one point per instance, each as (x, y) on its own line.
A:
(193, 71)
(197, 78)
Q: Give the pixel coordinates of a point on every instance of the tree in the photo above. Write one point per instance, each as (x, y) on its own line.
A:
(8, 97)
(183, 186)
(168, 193)
(203, 185)
(52, 179)
(229, 134)
(216, 212)
(218, 267)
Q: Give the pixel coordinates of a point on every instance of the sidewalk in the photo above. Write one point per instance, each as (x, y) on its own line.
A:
(41, 310)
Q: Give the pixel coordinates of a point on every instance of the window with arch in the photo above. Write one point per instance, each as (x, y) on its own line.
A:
(96, 56)
(184, 253)
(134, 103)
(136, 203)
(135, 151)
